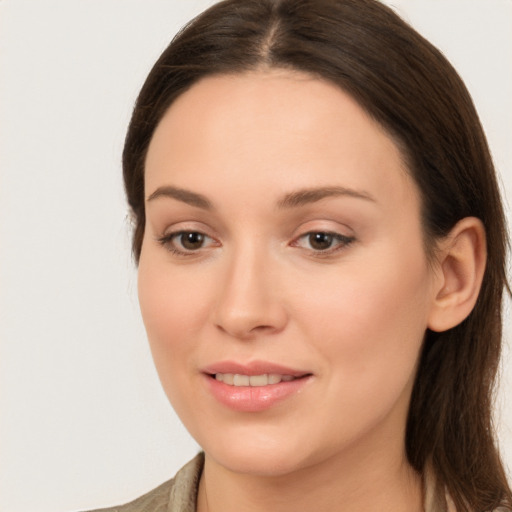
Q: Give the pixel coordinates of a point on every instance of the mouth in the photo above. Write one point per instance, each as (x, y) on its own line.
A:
(265, 379)
(254, 387)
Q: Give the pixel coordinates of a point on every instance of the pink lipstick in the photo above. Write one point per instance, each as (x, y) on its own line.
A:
(253, 387)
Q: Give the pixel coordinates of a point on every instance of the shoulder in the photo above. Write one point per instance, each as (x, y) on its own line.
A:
(176, 495)
(436, 496)
(155, 501)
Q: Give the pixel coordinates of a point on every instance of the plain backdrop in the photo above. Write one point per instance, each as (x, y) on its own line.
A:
(83, 421)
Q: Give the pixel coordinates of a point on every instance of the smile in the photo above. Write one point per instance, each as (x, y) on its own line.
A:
(254, 386)
(266, 379)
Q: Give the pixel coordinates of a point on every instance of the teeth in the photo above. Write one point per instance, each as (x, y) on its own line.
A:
(274, 378)
(258, 380)
(252, 380)
(241, 380)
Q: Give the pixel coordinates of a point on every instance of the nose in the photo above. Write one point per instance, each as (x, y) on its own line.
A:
(250, 302)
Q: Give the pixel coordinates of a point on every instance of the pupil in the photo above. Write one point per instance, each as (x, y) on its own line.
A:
(192, 240)
(320, 241)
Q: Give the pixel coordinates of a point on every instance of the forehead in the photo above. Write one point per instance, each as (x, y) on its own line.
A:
(270, 127)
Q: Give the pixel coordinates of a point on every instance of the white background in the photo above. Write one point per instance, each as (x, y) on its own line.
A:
(83, 421)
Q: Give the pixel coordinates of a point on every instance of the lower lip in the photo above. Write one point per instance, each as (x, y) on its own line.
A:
(254, 398)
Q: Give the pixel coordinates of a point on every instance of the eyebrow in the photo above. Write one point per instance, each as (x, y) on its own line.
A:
(291, 200)
(180, 194)
(312, 195)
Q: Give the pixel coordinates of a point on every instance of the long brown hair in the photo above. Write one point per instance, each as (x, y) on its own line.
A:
(405, 84)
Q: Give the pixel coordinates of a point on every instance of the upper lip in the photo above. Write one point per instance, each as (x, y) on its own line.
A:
(253, 368)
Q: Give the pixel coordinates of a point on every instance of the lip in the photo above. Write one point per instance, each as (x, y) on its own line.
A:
(254, 398)
(253, 368)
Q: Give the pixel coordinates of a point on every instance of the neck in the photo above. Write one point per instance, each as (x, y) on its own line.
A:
(357, 482)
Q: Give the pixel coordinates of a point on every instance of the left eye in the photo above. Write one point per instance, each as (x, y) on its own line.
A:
(190, 240)
(186, 242)
(323, 241)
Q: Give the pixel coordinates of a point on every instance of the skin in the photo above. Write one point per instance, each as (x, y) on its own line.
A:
(353, 317)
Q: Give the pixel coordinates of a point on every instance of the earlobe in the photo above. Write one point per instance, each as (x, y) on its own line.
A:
(461, 258)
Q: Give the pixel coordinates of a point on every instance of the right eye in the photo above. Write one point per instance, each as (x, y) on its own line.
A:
(186, 243)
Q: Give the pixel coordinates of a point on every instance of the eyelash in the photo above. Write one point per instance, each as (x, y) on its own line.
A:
(340, 241)
(168, 241)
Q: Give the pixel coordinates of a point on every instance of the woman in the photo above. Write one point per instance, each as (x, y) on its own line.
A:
(321, 250)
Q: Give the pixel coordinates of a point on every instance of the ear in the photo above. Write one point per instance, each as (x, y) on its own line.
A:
(461, 259)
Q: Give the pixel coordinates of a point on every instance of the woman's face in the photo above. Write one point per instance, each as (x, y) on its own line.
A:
(283, 281)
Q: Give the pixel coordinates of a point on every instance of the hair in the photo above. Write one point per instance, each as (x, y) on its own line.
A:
(408, 86)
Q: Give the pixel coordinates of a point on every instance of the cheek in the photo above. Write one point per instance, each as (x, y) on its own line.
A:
(369, 323)
(174, 308)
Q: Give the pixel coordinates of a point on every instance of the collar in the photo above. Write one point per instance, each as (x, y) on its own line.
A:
(183, 496)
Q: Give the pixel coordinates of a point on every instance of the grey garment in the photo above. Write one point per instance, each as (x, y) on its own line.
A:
(180, 494)
(176, 495)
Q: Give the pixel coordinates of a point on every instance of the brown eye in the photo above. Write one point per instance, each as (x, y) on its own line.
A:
(191, 240)
(320, 241)
(187, 243)
(323, 243)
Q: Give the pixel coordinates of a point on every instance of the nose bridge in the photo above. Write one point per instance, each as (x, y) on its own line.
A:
(248, 300)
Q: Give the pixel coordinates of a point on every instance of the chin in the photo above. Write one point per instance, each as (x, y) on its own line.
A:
(256, 464)
(261, 457)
